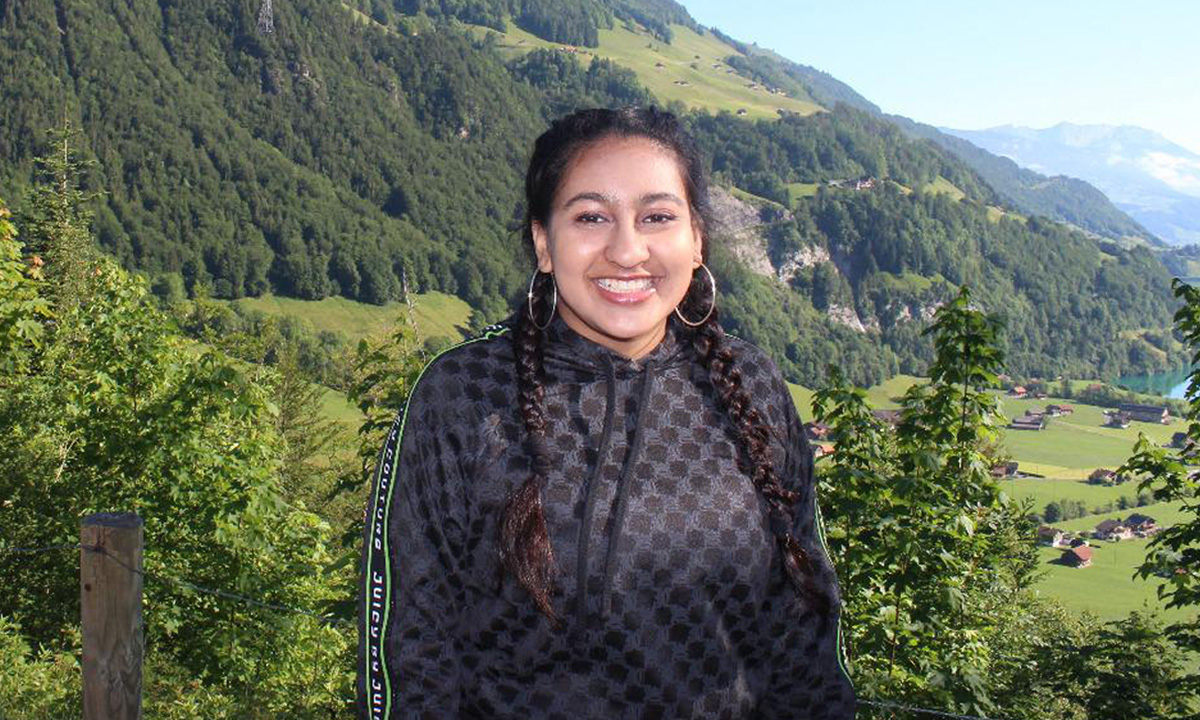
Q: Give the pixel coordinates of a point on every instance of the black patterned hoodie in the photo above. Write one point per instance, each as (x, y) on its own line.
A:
(670, 585)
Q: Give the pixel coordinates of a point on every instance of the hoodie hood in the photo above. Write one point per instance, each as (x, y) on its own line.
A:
(570, 357)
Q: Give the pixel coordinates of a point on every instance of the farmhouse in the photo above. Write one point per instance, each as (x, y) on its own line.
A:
(1028, 421)
(1104, 476)
(1141, 525)
(1112, 530)
(1079, 557)
(1117, 419)
(1058, 410)
(1051, 536)
(1146, 413)
(820, 450)
(1005, 469)
(1018, 391)
(816, 430)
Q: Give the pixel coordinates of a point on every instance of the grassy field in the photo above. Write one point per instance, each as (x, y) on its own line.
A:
(437, 314)
(942, 186)
(1106, 587)
(797, 191)
(338, 408)
(691, 69)
(1077, 444)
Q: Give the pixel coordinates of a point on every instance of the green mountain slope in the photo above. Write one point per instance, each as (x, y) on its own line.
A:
(312, 149)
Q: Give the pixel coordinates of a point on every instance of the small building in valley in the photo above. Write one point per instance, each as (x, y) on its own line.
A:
(1051, 536)
(1112, 530)
(1029, 421)
(1079, 557)
(1146, 413)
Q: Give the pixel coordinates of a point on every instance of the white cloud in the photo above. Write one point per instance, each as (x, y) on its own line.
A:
(1182, 174)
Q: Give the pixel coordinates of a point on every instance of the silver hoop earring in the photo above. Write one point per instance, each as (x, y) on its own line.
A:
(712, 282)
(553, 304)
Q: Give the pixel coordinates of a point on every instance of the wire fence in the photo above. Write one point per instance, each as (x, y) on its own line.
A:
(884, 705)
(164, 579)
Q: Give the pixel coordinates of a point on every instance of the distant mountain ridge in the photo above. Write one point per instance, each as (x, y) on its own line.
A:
(1154, 180)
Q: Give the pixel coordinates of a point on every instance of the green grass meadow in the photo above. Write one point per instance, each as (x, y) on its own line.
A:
(690, 69)
(437, 314)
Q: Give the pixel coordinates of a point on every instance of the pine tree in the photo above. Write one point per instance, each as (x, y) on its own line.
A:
(58, 223)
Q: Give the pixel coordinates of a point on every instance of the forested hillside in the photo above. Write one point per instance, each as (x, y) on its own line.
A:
(313, 149)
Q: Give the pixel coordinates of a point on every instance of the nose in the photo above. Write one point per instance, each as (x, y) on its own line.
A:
(627, 247)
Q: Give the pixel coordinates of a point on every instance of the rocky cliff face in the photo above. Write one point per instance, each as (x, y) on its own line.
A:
(741, 227)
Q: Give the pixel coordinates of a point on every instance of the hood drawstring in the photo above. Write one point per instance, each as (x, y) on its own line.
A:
(621, 503)
(589, 489)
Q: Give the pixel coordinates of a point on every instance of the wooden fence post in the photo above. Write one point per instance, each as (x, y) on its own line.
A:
(110, 587)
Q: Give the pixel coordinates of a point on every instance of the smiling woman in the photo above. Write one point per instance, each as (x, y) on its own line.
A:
(603, 507)
(621, 242)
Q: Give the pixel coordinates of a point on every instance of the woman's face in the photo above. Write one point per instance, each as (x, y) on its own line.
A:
(622, 243)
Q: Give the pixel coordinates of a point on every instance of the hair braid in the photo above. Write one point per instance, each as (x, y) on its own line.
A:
(753, 435)
(525, 550)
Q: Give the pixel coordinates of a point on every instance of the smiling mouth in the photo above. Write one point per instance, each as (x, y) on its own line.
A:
(626, 286)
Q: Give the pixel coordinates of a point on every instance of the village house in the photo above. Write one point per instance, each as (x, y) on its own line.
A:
(1018, 391)
(1029, 421)
(1059, 410)
(1102, 476)
(1146, 413)
(1080, 556)
(1142, 525)
(1117, 419)
(1051, 536)
(816, 430)
(820, 450)
(1112, 530)
(1005, 469)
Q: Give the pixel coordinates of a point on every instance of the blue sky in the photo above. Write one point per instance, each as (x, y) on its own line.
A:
(973, 65)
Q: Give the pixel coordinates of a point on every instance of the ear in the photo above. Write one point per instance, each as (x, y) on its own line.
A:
(697, 246)
(541, 247)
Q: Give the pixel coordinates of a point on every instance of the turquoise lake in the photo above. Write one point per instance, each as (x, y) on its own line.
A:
(1169, 384)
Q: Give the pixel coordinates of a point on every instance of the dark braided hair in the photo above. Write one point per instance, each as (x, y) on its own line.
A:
(525, 550)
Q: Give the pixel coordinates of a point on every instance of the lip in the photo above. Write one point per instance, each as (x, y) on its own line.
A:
(626, 298)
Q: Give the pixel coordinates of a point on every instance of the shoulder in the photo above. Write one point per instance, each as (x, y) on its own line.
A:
(478, 369)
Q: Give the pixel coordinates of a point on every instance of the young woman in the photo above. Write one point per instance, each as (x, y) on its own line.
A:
(604, 507)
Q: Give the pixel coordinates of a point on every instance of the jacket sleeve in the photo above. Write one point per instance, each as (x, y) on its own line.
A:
(411, 587)
(808, 677)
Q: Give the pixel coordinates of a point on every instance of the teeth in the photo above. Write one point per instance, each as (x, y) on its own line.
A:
(614, 285)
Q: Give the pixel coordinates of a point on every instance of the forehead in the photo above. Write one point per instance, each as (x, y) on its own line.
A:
(623, 168)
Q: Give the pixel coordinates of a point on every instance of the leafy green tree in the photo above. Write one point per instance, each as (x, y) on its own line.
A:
(922, 539)
(109, 410)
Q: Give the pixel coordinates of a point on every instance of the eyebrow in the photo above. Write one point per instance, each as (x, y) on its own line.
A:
(611, 200)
